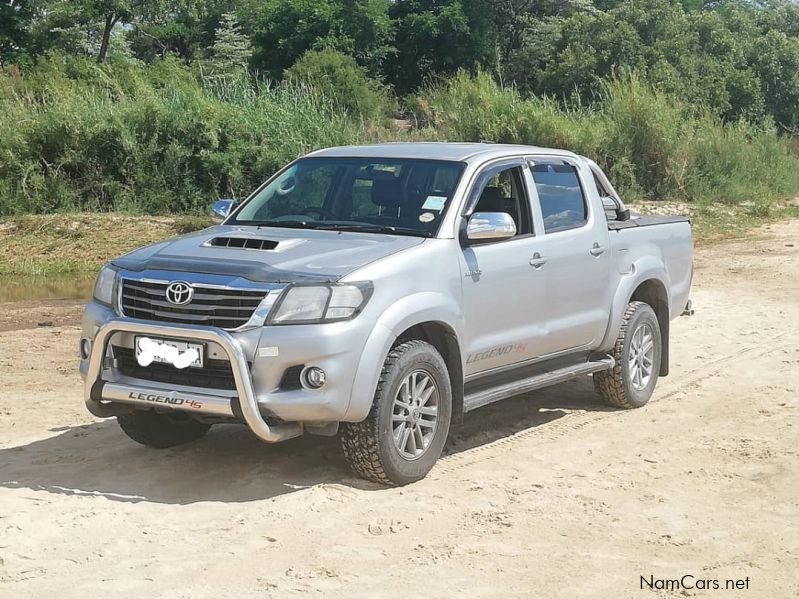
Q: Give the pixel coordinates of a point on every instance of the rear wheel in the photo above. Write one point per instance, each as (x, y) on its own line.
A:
(630, 383)
(161, 430)
(405, 431)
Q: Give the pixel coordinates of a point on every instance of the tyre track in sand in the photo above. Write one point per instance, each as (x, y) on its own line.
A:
(575, 420)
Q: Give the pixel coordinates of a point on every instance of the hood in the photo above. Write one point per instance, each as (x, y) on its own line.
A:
(267, 254)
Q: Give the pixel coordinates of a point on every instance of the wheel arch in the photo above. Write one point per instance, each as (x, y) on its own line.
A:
(653, 292)
(647, 282)
(444, 338)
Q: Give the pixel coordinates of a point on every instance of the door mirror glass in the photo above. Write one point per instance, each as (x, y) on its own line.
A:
(221, 209)
(490, 226)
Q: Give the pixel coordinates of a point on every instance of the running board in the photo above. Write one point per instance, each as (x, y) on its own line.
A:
(484, 397)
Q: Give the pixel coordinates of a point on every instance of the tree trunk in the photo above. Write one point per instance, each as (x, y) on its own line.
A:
(110, 21)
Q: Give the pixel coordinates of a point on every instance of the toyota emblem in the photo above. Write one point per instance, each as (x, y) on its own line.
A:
(179, 293)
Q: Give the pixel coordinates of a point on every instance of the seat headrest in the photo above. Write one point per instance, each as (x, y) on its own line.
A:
(386, 190)
(491, 200)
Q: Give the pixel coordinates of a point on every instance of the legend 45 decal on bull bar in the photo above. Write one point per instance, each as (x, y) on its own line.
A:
(167, 399)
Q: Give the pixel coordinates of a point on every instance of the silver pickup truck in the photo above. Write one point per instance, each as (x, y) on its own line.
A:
(379, 293)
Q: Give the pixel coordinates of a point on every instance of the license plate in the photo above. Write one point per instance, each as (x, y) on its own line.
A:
(181, 354)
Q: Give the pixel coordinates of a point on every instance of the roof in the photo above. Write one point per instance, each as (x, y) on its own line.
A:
(460, 152)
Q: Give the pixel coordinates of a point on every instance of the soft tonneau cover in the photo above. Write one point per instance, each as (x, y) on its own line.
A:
(645, 220)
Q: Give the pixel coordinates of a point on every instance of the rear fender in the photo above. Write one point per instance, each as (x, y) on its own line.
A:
(643, 269)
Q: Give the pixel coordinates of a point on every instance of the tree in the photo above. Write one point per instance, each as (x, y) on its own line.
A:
(284, 31)
(439, 37)
(231, 49)
(15, 17)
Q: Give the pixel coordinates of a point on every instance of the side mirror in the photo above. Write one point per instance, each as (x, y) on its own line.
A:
(221, 209)
(490, 226)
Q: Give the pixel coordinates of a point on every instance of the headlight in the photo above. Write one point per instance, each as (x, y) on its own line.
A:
(105, 285)
(309, 304)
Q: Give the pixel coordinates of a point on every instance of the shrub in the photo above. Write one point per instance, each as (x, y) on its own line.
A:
(651, 145)
(338, 77)
(153, 139)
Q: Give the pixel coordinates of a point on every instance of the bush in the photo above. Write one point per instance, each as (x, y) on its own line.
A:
(338, 77)
(651, 145)
(75, 135)
(164, 138)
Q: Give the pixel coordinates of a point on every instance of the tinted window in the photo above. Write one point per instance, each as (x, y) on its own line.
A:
(561, 197)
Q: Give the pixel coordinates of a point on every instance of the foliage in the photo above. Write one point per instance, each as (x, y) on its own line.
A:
(231, 50)
(161, 105)
(339, 78)
(435, 37)
(651, 145)
(283, 31)
(74, 134)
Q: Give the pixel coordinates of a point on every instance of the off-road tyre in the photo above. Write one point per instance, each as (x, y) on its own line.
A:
(614, 386)
(161, 430)
(369, 446)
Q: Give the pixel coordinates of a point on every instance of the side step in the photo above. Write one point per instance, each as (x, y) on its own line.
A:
(481, 398)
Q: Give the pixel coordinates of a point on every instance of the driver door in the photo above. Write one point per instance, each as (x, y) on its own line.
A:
(503, 294)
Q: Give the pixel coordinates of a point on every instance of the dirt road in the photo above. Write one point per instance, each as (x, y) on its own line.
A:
(545, 495)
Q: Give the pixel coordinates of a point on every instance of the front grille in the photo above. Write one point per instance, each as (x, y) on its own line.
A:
(215, 374)
(211, 306)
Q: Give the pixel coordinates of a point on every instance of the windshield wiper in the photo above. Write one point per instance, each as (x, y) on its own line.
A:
(365, 228)
(289, 224)
(327, 226)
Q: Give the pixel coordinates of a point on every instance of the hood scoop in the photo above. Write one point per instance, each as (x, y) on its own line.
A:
(242, 243)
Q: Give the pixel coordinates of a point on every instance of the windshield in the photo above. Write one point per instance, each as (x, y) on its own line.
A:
(378, 195)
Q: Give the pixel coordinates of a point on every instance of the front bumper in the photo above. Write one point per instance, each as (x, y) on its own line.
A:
(259, 358)
(103, 398)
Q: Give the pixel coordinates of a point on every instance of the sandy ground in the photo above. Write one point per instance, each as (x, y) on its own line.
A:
(545, 495)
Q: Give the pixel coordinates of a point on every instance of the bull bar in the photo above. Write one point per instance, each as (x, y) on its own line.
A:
(109, 398)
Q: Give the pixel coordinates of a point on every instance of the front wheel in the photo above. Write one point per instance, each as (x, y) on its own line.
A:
(630, 383)
(405, 431)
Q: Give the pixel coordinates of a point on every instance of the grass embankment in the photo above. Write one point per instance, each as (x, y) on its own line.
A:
(77, 244)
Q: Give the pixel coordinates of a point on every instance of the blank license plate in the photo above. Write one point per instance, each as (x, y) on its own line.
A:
(180, 354)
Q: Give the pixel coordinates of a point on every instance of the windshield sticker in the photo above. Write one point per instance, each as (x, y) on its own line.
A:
(427, 217)
(434, 203)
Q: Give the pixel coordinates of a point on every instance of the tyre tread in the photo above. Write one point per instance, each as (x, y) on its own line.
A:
(609, 384)
(359, 439)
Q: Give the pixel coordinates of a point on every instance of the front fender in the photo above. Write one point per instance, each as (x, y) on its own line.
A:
(643, 269)
(399, 317)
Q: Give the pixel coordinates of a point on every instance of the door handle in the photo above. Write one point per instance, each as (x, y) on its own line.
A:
(537, 261)
(597, 250)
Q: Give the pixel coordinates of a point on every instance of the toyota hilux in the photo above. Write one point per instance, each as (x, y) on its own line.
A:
(379, 293)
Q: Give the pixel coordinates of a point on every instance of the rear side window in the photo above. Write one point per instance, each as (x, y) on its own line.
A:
(561, 196)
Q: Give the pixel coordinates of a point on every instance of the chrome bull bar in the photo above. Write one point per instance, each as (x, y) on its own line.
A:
(109, 398)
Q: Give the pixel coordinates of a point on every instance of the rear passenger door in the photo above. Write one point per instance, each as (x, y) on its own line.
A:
(576, 254)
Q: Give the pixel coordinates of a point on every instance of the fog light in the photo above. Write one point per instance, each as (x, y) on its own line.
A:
(314, 377)
(85, 349)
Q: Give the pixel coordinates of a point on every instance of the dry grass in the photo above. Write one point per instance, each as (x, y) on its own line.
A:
(79, 243)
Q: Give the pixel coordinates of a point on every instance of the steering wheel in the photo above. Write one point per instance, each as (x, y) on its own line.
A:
(286, 187)
(320, 211)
